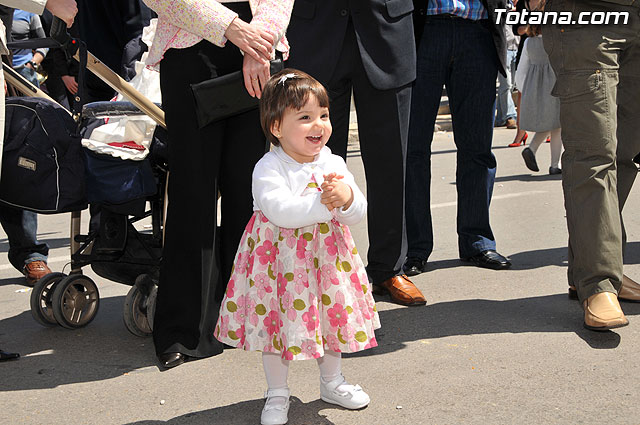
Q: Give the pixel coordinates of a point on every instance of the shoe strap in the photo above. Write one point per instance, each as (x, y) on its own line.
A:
(277, 392)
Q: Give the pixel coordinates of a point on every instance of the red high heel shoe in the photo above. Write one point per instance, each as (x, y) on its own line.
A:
(522, 141)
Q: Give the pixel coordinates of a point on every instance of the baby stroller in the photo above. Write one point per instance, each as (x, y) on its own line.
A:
(115, 249)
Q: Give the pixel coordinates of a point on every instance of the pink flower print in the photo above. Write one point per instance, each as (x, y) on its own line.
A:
(348, 333)
(337, 315)
(224, 325)
(289, 237)
(249, 227)
(263, 218)
(309, 348)
(287, 300)
(263, 285)
(353, 345)
(287, 355)
(339, 298)
(253, 319)
(333, 343)
(250, 264)
(230, 288)
(310, 318)
(364, 308)
(282, 284)
(301, 247)
(300, 280)
(272, 322)
(332, 247)
(241, 313)
(372, 343)
(240, 334)
(328, 275)
(355, 281)
(267, 252)
(241, 263)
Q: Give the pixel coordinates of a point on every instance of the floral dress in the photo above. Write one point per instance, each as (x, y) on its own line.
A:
(298, 291)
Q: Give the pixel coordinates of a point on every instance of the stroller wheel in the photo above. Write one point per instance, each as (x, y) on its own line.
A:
(75, 301)
(151, 305)
(42, 299)
(135, 313)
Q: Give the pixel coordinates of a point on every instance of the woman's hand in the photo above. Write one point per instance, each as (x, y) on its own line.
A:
(63, 9)
(70, 83)
(252, 40)
(255, 75)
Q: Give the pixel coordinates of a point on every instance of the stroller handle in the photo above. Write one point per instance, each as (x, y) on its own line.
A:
(59, 31)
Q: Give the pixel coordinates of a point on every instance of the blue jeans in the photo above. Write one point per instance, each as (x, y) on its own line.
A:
(21, 228)
(28, 73)
(460, 54)
(505, 107)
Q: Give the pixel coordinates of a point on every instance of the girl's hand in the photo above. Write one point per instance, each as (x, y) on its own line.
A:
(252, 40)
(335, 193)
(255, 75)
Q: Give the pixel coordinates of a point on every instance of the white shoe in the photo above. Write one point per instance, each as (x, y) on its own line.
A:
(343, 394)
(274, 412)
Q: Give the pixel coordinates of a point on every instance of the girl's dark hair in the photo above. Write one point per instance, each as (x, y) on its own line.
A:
(288, 88)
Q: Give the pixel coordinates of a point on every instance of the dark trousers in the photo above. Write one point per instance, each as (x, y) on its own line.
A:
(197, 256)
(383, 119)
(21, 227)
(459, 54)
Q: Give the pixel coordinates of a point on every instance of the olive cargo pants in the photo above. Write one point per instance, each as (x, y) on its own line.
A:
(598, 83)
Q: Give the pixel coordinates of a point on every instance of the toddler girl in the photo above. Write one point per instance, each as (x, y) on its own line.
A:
(298, 289)
(540, 111)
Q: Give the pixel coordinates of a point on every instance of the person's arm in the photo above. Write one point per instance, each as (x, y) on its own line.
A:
(278, 203)
(36, 31)
(33, 6)
(521, 72)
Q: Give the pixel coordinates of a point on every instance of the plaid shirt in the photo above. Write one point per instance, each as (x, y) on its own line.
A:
(468, 9)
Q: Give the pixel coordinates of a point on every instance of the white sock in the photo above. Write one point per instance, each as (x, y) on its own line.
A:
(331, 368)
(276, 370)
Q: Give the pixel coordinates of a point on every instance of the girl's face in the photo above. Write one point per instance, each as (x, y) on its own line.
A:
(303, 133)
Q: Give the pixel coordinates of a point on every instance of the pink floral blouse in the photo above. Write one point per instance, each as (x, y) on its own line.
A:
(183, 23)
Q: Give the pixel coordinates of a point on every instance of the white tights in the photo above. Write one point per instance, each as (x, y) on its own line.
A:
(276, 370)
(556, 144)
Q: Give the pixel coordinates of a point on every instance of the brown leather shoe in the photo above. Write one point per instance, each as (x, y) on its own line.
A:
(34, 271)
(602, 312)
(629, 291)
(401, 290)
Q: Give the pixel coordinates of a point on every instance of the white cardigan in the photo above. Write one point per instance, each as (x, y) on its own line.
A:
(280, 190)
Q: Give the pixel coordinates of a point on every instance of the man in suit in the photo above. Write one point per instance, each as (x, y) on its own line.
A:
(66, 10)
(597, 69)
(461, 47)
(368, 48)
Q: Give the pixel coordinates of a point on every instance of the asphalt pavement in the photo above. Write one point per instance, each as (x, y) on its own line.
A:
(490, 347)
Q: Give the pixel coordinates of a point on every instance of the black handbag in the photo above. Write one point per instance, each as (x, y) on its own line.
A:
(225, 96)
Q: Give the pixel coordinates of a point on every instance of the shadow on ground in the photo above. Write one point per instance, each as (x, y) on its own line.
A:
(544, 314)
(528, 260)
(248, 412)
(51, 357)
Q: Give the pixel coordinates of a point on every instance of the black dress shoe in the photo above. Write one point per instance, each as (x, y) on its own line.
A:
(4, 356)
(414, 266)
(169, 360)
(489, 259)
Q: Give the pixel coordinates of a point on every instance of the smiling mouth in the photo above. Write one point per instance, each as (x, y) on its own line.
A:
(314, 139)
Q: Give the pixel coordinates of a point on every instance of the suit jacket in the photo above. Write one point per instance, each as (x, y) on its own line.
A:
(384, 29)
(497, 30)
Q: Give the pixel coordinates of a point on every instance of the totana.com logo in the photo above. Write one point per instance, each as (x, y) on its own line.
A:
(525, 17)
